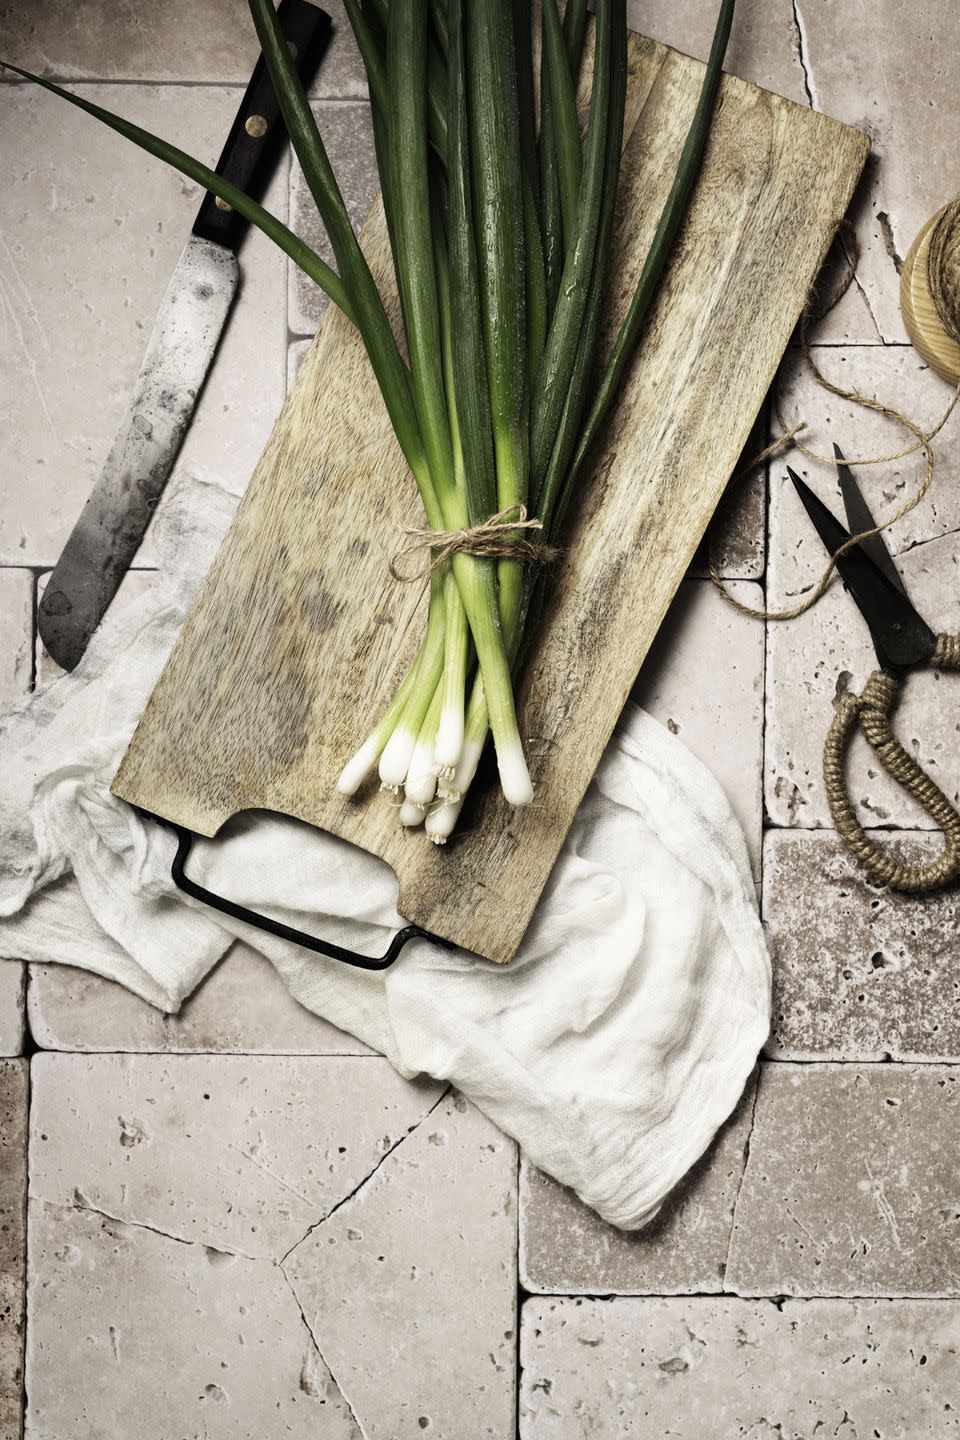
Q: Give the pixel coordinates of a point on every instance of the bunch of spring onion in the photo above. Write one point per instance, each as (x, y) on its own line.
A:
(500, 216)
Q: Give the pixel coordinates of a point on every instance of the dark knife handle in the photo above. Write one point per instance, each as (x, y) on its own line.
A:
(258, 133)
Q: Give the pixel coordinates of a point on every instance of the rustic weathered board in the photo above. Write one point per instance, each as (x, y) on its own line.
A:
(300, 635)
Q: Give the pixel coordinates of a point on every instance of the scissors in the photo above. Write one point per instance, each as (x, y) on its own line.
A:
(903, 641)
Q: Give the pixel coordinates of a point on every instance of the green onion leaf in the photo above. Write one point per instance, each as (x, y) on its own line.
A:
(410, 191)
(468, 354)
(371, 317)
(561, 100)
(574, 30)
(553, 381)
(671, 218)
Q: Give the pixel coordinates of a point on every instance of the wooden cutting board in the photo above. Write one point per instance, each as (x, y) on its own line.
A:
(299, 635)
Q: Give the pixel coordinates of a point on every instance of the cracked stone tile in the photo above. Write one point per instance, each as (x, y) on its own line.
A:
(176, 41)
(132, 1332)
(133, 585)
(242, 1007)
(814, 658)
(703, 638)
(762, 44)
(650, 1368)
(860, 972)
(16, 667)
(348, 136)
(410, 1287)
(893, 72)
(13, 1187)
(239, 1153)
(78, 337)
(565, 1246)
(850, 1185)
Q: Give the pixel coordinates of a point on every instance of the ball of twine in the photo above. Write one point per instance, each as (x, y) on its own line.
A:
(930, 292)
(943, 268)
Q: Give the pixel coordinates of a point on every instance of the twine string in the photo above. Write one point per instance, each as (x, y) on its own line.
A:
(504, 536)
(922, 440)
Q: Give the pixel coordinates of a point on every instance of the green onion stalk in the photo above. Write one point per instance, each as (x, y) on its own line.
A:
(500, 222)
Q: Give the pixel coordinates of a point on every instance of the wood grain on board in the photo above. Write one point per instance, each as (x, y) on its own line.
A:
(299, 635)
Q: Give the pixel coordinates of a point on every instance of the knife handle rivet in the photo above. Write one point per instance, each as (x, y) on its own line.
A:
(293, 49)
(255, 126)
(222, 204)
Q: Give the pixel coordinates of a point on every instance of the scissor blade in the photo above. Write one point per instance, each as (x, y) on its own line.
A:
(859, 519)
(901, 637)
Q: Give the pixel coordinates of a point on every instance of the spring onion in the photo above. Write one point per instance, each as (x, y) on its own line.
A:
(500, 223)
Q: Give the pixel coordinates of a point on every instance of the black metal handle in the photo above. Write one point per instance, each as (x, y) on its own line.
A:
(190, 887)
(258, 132)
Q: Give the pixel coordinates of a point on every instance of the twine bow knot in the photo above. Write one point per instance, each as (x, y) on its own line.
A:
(496, 538)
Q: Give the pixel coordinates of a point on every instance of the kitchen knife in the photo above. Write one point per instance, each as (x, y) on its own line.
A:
(179, 353)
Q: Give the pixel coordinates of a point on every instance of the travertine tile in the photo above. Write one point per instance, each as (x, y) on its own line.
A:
(12, 986)
(13, 1188)
(239, 1153)
(16, 634)
(109, 40)
(132, 1332)
(850, 1185)
(814, 658)
(348, 137)
(762, 43)
(893, 72)
(735, 541)
(16, 667)
(894, 375)
(564, 1246)
(860, 972)
(78, 336)
(133, 585)
(173, 1190)
(733, 1368)
(242, 1007)
(420, 1266)
(703, 678)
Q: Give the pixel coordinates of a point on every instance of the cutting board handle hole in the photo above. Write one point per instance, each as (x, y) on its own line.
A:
(182, 880)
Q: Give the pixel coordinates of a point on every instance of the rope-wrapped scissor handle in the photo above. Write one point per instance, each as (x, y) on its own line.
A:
(870, 711)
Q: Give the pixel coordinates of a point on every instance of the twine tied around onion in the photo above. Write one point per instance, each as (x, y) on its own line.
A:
(497, 538)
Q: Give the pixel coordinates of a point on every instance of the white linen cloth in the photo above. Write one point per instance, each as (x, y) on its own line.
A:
(612, 1047)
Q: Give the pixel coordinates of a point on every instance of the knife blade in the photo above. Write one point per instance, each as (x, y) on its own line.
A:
(179, 353)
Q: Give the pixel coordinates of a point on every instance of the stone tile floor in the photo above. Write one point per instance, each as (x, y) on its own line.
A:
(248, 1226)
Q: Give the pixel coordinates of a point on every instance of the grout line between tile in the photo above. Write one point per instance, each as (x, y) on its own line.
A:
(743, 1175)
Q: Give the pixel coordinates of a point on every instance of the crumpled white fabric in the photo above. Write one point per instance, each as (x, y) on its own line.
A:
(612, 1047)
